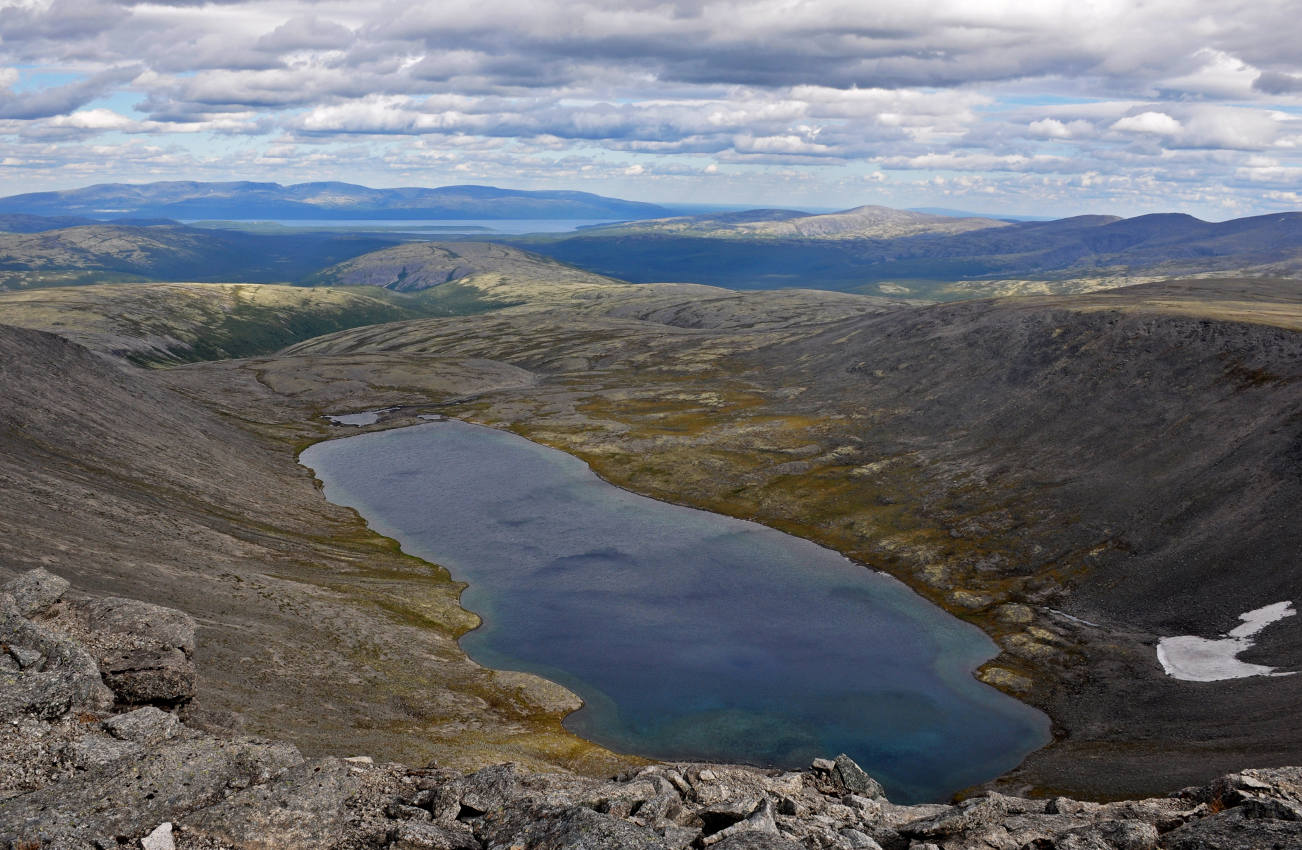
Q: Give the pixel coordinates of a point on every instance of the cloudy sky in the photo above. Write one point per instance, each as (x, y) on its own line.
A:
(1051, 107)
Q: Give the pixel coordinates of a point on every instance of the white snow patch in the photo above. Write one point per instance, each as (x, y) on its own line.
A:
(366, 417)
(1196, 659)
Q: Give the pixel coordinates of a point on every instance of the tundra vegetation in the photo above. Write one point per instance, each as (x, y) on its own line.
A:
(1078, 474)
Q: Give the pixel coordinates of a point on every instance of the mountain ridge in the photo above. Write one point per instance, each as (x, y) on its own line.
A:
(322, 200)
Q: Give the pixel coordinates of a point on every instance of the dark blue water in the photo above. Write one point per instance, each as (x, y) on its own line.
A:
(689, 635)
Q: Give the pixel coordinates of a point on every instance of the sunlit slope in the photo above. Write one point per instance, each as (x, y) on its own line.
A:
(866, 222)
(171, 252)
(1071, 255)
(172, 322)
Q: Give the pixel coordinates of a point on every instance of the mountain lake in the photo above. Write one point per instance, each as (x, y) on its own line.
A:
(689, 635)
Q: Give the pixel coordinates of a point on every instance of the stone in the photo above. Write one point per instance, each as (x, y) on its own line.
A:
(163, 677)
(1232, 830)
(822, 765)
(132, 796)
(760, 820)
(36, 590)
(571, 828)
(302, 808)
(97, 751)
(757, 841)
(853, 778)
(490, 789)
(1111, 835)
(146, 626)
(159, 839)
(27, 658)
(146, 725)
(429, 836)
(860, 840)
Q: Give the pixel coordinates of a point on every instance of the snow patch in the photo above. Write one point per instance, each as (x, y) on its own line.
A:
(366, 417)
(1196, 659)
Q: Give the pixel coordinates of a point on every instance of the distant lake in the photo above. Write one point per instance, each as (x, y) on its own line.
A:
(689, 635)
(494, 226)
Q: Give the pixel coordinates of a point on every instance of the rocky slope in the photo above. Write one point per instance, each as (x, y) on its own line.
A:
(130, 488)
(99, 750)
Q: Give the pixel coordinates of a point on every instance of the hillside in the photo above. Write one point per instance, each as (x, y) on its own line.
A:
(424, 265)
(178, 322)
(1069, 255)
(248, 200)
(311, 627)
(105, 252)
(866, 222)
(1073, 474)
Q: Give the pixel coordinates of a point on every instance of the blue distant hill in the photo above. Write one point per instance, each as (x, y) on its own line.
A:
(325, 201)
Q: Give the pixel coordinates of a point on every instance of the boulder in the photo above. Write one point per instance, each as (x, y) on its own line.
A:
(854, 780)
(146, 725)
(302, 808)
(572, 828)
(757, 841)
(160, 677)
(1234, 830)
(130, 797)
(139, 624)
(35, 591)
(430, 836)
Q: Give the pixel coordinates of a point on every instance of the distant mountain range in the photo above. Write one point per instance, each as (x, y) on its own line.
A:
(918, 255)
(867, 222)
(326, 201)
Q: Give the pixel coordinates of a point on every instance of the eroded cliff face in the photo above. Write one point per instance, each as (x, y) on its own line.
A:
(102, 746)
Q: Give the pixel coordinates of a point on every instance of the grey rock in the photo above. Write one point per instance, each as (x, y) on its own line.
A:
(860, 840)
(36, 590)
(853, 778)
(68, 679)
(573, 828)
(969, 816)
(27, 658)
(490, 789)
(302, 808)
(1271, 807)
(146, 625)
(430, 836)
(757, 841)
(163, 677)
(147, 725)
(760, 820)
(159, 839)
(1231, 830)
(1113, 835)
(98, 751)
(132, 796)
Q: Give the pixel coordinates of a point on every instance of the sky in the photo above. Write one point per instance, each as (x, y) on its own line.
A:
(1051, 107)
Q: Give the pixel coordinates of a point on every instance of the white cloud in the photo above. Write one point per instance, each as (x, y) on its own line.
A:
(1151, 122)
(1132, 102)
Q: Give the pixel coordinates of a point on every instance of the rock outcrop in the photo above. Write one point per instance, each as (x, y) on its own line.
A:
(93, 758)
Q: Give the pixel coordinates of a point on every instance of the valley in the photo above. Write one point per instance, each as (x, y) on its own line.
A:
(1079, 475)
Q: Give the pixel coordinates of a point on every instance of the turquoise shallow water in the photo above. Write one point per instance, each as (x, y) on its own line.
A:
(688, 634)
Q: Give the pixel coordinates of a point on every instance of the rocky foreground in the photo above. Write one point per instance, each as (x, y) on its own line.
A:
(101, 747)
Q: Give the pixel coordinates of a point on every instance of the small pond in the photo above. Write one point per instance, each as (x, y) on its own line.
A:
(689, 635)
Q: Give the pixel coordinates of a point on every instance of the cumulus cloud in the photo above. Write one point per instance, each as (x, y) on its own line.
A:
(1044, 98)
